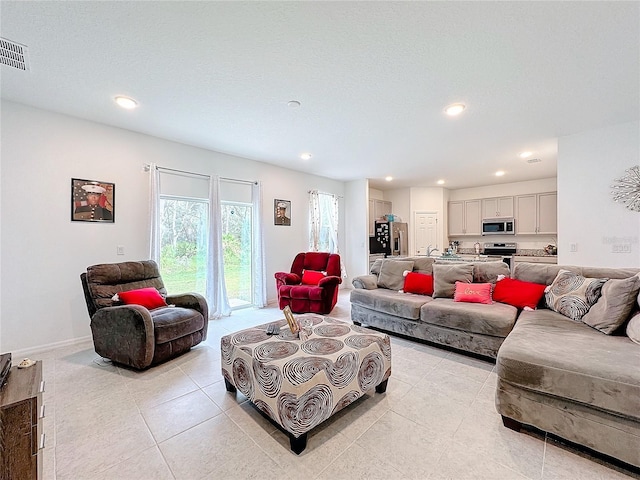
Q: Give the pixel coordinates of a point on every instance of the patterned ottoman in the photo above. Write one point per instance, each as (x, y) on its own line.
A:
(301, 384)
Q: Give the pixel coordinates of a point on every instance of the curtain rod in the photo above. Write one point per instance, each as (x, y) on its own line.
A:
(325, 193)
(235, 180)
(248, 182)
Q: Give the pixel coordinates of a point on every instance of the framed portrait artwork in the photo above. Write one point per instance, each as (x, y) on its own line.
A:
(92, 201)
(282, 212)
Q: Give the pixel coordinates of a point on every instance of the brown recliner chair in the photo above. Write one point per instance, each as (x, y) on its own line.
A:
(131, 334)
(310, 298)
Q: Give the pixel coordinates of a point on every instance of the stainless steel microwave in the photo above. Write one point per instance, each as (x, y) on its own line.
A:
(498, 226)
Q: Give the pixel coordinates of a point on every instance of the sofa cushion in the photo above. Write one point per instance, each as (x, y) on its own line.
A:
(390, 302)
(418, 283)
(488, 272)
(573, 295)
(445, 278)
(422, 264)
(174, 322)
(518, 293)
(496, 319)
(614, 305)
(391, 273)
(633, 328)
(549, 353)
(473, 293)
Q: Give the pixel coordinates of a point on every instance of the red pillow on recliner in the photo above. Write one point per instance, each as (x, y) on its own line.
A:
(146, 297)
(311, 277)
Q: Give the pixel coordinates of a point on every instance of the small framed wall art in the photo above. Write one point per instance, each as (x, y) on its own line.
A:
(92, 201)
(282, 212)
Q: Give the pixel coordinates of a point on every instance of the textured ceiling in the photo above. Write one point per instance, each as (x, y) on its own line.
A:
(372, 77)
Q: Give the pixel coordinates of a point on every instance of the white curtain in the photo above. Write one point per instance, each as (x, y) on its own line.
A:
(314, 219)
(154, 211)
(216, 287)
(334, 210)
(324, 206)
(259, 284)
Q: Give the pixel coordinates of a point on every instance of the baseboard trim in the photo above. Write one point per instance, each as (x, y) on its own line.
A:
(32, 351)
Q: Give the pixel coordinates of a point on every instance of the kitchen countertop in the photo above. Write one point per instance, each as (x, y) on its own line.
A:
(532, 252)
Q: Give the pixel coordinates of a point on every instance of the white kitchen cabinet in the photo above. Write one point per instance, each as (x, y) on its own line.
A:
(377, 210)
(548, 213)
(464, 217)
(499, 207)
(537, 214)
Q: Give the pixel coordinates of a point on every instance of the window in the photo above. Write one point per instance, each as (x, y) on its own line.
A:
(183, 243)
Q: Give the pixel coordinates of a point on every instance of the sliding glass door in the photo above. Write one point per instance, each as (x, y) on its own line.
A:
(237, 235)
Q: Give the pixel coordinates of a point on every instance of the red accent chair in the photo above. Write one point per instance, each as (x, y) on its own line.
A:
(301, 298)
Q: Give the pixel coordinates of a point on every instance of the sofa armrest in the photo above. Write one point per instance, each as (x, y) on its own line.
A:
(194, 301)
(287, 278)
(367, 282)
(329, 281)
(124, 334)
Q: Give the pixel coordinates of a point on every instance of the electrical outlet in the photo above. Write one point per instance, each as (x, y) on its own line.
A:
(573, 247)
(120, 250)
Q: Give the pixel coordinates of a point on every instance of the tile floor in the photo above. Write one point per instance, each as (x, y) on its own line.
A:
(176, 421)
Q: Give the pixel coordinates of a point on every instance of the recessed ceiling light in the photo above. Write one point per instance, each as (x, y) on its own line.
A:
(293, 104)
(126, 102)
(440, 182)
(526, 154)
(499, 173)
(388, 179)
(306, 156)
(455, 109)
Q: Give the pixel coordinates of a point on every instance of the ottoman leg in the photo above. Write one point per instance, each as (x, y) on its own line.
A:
(511, 423)
(298, 444)
(382, 386)
(229, 386)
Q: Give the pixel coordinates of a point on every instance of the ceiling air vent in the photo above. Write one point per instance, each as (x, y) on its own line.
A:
(534, 160)
(14, 54)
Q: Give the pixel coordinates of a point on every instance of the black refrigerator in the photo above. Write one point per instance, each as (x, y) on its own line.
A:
(390, 238)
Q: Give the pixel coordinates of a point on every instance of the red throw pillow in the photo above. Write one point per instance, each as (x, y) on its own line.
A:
(146, 297)
(419, 283)
(518, 293)
(472, 293)
(311, 277)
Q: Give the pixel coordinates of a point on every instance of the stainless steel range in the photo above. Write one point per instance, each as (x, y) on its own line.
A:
(501, 251)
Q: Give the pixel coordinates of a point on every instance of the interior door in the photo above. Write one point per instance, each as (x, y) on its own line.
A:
(426, 231)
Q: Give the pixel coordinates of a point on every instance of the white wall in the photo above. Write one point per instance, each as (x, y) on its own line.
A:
(43, 252)
(588, 164)
(504, 189)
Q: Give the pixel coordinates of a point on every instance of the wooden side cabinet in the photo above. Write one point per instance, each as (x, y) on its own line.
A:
(21, 433)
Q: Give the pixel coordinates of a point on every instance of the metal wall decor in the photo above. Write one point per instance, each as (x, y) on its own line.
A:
(626, 190)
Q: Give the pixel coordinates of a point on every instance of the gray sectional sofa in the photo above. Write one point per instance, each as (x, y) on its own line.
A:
(554, 373)
(472, 327)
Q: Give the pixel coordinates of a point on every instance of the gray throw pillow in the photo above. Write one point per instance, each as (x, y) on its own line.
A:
(391, 273)
(446, 276)
(488, 272)
(615, 304)
(375, 268)
(633, 328)
(572, 295)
